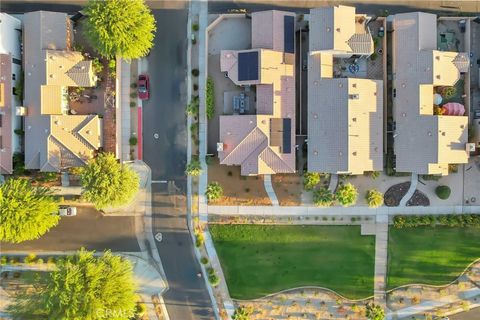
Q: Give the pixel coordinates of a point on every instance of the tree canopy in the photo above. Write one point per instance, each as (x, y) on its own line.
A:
(347, 195)
(124, 28)
(108, 183)
(82, 287)
(374, 198)
(214, 191)
(26, 212)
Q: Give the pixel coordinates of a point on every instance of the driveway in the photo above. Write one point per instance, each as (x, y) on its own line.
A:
(88, 229)
(166, 154)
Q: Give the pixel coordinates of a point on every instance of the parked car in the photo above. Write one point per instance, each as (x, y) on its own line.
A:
(66, 211)
(143, 87)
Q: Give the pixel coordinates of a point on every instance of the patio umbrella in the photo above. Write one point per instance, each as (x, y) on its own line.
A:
(437, 99)
(454, 109)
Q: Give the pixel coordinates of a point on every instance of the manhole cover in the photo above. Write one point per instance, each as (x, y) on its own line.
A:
(155, 135)
(158, 237)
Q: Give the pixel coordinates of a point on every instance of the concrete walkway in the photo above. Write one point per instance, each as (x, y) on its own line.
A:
(267, 182)
(125, 81)
(332, 186)
(411, 190)
(338, 211)
(381, 254)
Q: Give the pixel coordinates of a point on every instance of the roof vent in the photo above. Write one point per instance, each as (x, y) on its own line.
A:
(438, 76)
(462, 126)
(52, 75)
(354, 85)
(87, 132)
(340, 153)
(404, 85)
(315, 82)
(443, 133)
(263, 122)
(354, 119)
(338, 29)
(328, 29)
(83, 67)
(404, 114)
(354, 153)
(340, 85)
(437, 57)
(60, 67)
(430, 133)
(315, 153)
(315, 116)
(355, 96)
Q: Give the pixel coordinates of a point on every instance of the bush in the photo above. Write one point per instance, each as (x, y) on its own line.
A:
(453, 168)
(112, 65)
(373, 56)
(450, 220)
(140, 310)
(210, 271)
(3, 260)
(431, 177)
(31, 258)
(39, 261)
(97, 66)
(449, 92)
(47, 176)
(195, 72)
(194, 168)
(323, 197)
(195, 27)
(133, 141)
(443, 192)
(133, 95)
(193, 107)
(19, 132)
(214, 280)
(210, 99)
(51, 260)
(373, 174)
(204, 260)
(199, 239)
(347, 195)
(133, 104)
(195, 87)
(310, 180)
(242, 313)
(134, 85)
(374, 198)
(375, 312)
(214, 191)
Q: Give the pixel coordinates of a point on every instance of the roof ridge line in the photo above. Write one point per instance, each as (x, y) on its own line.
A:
(255, 129)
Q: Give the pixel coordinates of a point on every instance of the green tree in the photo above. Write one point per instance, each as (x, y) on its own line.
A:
(124, 28)
(242, 313)
(323, 197)
(108, 183)
(374, 198)
(194, 168)
(375, 312)
(82, 287)
(310, 180)
(347, 195)
(214, 191)
(443, 192)
(26, 212)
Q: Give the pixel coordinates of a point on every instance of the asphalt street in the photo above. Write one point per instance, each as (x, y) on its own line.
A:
(88, 229)
(164, 115)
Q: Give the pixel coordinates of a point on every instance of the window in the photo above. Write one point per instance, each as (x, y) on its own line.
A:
(14, 76)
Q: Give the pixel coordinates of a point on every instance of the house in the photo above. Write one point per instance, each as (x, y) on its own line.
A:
(55, 139)
(425, 143)
(345, 114)
(263, 142)
(10, 90)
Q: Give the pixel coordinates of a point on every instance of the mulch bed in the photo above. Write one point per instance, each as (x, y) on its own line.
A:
(418, 199)
(395, 193)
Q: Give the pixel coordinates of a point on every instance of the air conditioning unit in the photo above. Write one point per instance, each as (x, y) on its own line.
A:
(470, 147)
(21, 111)
(219, 146)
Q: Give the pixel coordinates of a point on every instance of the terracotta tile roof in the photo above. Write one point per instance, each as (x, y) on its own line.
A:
(246, 138)
(424, 143)
(345, 115)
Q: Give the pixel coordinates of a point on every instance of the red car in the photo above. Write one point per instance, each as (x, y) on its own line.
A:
(143, 87)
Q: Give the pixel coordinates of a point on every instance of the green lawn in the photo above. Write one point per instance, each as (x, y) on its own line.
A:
(259, 260)
(430, 255)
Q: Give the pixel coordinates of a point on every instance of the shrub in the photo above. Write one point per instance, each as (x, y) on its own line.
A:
(39, 261)
(133, 95)
(431, 177)
(449, 92)
(210, 98)
(97, 66)
(133, 104)
(195, 87)
(112, 65)
(133, 141)
(47, 176)
(204, 260)
(194, 168)
(450, 220)
(443, 192)
(199, 239)
(310, 180)
(195, 72)
(195, 27)
(453, 168)
(214, 191)
(134, 85)
(347, 195)
(375, 312)
(214, 280)
(323, 197)
(373, 56)
(3, 260)
(210, 271)
(31, 258)
(19, 132)
(373, 174)
(51, 260)
(242, 313)
(193, 107)
(140, 310)
(374, 198)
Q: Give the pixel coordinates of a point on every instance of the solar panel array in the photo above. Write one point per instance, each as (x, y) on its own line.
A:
(248, 66)
(288, 34)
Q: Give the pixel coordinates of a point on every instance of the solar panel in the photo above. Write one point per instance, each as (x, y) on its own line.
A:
(288, 34)
(248, 66)
(287, 135)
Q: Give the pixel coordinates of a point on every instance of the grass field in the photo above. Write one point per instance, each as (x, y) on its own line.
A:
(259, 260)
(430, 255)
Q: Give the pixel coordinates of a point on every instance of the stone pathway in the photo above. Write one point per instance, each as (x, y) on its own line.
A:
(411, 190)
(267, 182)
(381, 253)
(332, 186)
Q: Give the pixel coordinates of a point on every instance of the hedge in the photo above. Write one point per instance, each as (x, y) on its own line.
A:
(450, 220)
(210, 99)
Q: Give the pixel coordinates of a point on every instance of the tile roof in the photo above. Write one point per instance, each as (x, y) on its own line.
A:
(424, 143)
(345, 115)
(247, 138)
(53, 139)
